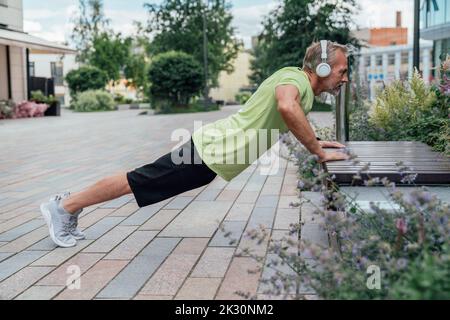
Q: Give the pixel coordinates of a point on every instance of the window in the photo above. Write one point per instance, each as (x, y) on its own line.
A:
(391, 59)
(367, 61)
(405, 57)
(57, 73)
(379, 60)
(32, 69)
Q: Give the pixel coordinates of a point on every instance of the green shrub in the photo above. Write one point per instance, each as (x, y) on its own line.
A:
(243, 97)
(86, 78)
(91, 100)
(39, 97)
(175, 78)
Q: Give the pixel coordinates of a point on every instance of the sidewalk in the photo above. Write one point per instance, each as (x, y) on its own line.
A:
(170, 250)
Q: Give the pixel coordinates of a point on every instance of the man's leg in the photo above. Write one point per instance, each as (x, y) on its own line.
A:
(106, 189)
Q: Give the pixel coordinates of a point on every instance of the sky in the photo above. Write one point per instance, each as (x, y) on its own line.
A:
(51, 19)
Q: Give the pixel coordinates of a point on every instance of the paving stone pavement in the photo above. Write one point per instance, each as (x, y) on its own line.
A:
(175, 249)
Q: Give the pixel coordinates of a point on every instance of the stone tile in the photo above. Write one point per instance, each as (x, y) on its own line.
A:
(119, 202)
(20, 281)
(128, 282)
(267, 201)
(248, 197)
(94, 280)
(208, 195)
(93, 217)
(309, 215)
(131, 246)
(5, 255)
(238, 278)
(126, 210)
(285, 217)
(261, 216)
(228, 195)
(40, 293)
(60, 275)
(248, 246)
(193, 193)
(269, 272)
(111, 239)
(19, 220)
(172, 273)
(314, 233)
(149, 297)
(17, 262)
(199, 219)
(160, 220)
(179, 203)
(103, 226)
(60, 255)
(239, 212)
(21, 230)
(198, 289)
(141, 216)
(285, 201)
(233, 229)
(194, 246)
(213, 263)
(25, 241)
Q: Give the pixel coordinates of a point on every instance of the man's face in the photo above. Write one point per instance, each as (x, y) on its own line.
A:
(333, 83)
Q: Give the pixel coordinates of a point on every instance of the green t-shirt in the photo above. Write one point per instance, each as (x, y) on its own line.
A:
(230, 145)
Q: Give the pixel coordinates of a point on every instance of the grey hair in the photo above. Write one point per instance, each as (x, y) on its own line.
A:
(313, 56)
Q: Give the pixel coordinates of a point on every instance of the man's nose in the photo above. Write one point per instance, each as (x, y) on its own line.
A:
(345, 79)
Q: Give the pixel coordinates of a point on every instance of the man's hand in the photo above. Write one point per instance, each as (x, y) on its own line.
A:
(331, 144)
(333, 156)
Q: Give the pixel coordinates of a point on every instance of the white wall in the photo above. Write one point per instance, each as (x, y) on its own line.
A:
(12, 14)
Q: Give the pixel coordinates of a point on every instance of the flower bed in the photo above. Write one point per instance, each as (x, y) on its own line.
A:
(26, 109)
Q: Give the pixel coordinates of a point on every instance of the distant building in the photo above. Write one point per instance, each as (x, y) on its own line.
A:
(382, 65)
(387, 56)
(232, 84)
(435, 26)
(383, 37)
(15, 46)
(57, 66)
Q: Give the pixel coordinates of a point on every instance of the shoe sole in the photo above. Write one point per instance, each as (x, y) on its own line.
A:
(48, 219)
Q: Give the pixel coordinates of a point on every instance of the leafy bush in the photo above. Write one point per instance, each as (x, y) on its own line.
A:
(243, 97)
(39, 97)
(6, 109)
(94, 100)
(86, 78)
(175, 78)
(407, 111)
(408, 244)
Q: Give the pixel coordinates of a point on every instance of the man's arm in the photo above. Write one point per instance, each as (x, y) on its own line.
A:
(287, 98)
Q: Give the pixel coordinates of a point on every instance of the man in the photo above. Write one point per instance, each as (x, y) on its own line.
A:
(279, 104)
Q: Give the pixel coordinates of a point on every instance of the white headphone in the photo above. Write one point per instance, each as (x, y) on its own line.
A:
(323, 70)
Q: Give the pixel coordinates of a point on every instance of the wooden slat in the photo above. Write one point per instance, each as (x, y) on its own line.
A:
(431, 167)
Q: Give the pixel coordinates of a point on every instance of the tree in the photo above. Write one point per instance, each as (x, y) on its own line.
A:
(291, 27)
(178, 25)
(175, 78)
(110, 53)
(86, 78)
(88, 24)
(136, 71)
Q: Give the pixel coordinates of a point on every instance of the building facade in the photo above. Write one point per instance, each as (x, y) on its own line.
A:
(382, 65)
(15, 46)
(435, 26)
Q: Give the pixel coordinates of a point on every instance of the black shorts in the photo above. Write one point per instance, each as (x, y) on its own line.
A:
(165, 178)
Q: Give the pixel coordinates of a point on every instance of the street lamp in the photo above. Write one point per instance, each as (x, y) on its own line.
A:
(416, 45)
(205, 55)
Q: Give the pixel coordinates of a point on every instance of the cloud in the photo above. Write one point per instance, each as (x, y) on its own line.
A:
(247, 20)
